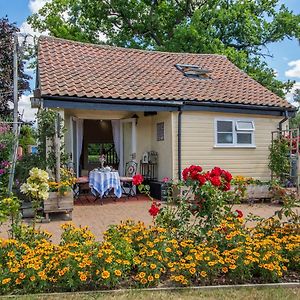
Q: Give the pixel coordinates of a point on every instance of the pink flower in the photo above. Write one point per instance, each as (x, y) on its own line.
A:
(165, 179)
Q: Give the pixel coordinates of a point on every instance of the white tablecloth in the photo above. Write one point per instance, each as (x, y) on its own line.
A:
(101, 182)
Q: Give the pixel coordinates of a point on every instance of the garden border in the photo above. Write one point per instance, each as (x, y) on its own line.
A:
(205, 287)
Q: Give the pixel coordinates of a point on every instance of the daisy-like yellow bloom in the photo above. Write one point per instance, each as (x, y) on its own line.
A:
(150, 278)
(118, 273)
(142, 274)
(192, 271)
(203, 274)
(153, 266)
(32, 278)
(143, 281)
(156, 276)
(105, 274)
(224, 269)
(168, 250)
(232, 267)
(6, 280)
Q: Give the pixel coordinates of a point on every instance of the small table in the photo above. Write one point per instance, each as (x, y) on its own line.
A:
(102, 182)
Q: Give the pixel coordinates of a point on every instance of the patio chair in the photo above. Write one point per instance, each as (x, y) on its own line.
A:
(126, 181)
(81, 187)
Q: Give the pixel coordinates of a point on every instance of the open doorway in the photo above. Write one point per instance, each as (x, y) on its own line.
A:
(97, 139)
(116, 139)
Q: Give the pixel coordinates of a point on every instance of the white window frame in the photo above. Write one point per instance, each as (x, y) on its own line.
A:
(234, 143)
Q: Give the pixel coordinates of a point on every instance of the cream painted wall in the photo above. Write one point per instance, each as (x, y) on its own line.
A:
(198, 141)
(164, 148)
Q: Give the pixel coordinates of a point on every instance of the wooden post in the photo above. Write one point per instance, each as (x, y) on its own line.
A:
(57, 148)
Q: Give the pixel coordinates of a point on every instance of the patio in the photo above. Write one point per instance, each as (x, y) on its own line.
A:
(98, 217)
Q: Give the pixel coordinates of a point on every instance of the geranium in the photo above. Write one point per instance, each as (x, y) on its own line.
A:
(215, 180)
(137, 179)
(165, 179)
(216, 171)
(226, 175)
(154, 209)
(226, 186)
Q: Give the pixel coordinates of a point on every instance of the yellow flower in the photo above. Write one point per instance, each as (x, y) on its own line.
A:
(203, 273)
(18, 281)
(6, 280)
(142, 274)
(192, 271)
(32, 278)
(224, 269)
(105, 274)
(118, 273)
(152, 266)
(150, 278)
(168, 250)
(232, 267)
(156, 276)
(143, 280)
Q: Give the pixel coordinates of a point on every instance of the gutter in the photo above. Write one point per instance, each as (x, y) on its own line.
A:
(286, 117)
(179, 132)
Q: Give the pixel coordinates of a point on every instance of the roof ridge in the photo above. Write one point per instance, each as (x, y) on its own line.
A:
(127, 49)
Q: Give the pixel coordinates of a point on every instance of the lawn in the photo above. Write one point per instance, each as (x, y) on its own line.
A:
(210, 294)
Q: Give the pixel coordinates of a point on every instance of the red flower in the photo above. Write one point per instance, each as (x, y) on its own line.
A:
(154, 209)
(227, 176)
(226, 186)
(239, 213)
(137, 179)
(216, 171)
(185, 174)
(216, 181)
(201, 178)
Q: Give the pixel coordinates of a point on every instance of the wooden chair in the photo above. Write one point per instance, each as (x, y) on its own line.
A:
(126, 181)
(81, 186)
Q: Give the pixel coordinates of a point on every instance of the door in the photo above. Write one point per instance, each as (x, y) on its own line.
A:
(128, 143)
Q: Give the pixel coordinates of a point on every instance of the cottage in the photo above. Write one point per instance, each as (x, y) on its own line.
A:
(134, 104)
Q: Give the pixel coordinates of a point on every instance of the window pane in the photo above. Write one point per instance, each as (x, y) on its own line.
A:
(244, 138)
(244, 125)
(225, 138)
(224, 126)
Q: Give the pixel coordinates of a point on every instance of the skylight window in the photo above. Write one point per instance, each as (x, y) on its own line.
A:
(193, 71)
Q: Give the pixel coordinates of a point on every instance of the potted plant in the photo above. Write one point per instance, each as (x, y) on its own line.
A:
(60, 194)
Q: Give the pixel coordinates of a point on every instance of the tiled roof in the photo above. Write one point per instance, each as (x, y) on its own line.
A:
(68, 68)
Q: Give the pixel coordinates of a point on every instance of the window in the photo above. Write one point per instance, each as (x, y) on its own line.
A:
(160, 131)
(234, 133)
(193, 71)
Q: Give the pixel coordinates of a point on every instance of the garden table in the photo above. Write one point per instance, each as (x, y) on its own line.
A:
(101, 182)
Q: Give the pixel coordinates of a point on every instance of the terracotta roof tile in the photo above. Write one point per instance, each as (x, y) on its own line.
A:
(68, 68)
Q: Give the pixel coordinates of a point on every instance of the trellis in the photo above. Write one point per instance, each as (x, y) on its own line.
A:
(292, 136)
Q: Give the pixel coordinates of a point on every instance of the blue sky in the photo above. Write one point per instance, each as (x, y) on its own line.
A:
(285, 60)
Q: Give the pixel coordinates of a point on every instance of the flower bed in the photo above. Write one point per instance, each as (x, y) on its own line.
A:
(134, 255)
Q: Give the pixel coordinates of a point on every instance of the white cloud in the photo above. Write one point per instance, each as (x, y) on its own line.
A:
(294, 71)
(25, 106)
(36, 5)
(289, 96)
(25, 28)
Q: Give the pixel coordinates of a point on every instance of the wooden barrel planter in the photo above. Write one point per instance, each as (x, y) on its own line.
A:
(59, 203)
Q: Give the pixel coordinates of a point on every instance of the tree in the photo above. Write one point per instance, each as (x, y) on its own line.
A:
(7, 31)
(240, 29)
(295, 122)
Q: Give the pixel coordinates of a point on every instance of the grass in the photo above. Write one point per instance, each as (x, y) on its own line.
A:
(272, 293)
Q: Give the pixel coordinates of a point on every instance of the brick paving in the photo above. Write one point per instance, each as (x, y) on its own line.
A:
(98, 217)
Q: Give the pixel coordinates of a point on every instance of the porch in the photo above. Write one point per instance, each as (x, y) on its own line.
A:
(121, 136)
